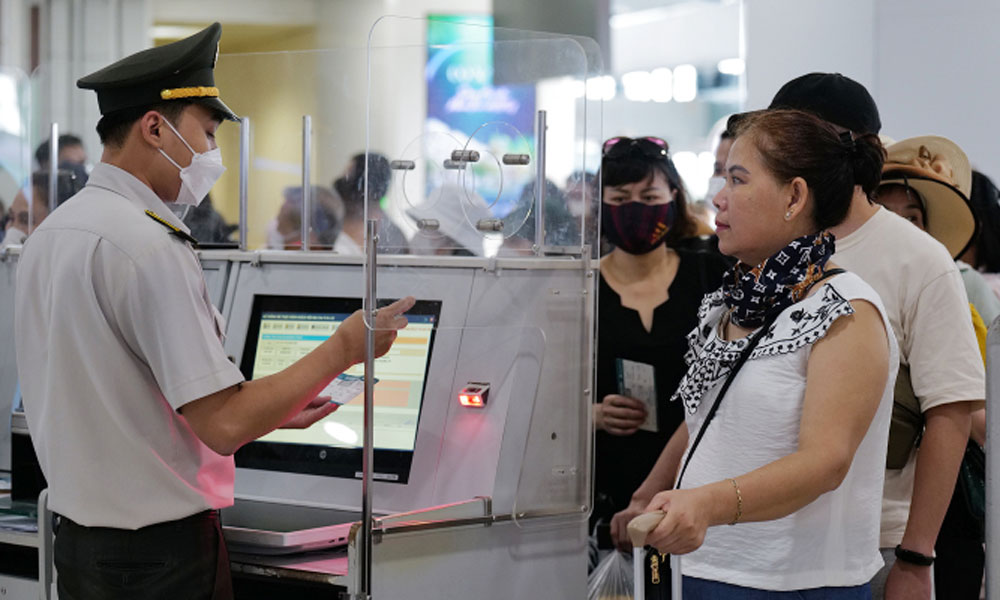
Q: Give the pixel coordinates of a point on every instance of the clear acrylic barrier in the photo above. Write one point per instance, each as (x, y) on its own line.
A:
(470, 119)
(15, 169)
(455, 107)
(275, 91)
(58, 106)
(16, 147)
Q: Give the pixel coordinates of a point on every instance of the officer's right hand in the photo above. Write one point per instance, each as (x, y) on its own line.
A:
(388, 320)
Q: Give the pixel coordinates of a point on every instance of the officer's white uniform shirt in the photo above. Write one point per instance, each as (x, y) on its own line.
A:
(115, 332)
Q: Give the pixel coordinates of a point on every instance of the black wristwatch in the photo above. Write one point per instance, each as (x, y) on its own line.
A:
(913, 557)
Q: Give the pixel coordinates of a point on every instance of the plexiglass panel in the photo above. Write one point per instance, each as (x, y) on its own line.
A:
(15, 155)
(276, 91)
(18, 220)
(480, 128)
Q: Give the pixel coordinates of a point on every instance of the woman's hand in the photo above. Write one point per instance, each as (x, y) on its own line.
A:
(687, 515)
(619, 415)
(619, 522)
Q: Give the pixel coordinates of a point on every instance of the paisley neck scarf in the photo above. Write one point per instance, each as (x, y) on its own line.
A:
(754, 293)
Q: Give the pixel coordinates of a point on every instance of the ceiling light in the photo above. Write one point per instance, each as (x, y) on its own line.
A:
(685, 83)
(637, 86)
(661, 83)
(732, 66)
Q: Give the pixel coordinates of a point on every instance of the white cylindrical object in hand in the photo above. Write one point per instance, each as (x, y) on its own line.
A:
(638, 530)
(638, 572)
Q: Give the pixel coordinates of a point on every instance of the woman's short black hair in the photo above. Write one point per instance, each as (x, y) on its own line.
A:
(634, 166)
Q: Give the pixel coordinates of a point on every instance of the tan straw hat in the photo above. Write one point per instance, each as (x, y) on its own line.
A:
(938, 170)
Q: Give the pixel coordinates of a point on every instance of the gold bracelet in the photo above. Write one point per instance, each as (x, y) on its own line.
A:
(739, 503)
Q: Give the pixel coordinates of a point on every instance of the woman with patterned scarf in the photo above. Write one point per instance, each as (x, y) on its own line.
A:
(788, 392)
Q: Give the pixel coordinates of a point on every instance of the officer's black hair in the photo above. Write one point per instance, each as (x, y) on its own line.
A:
(113, 128)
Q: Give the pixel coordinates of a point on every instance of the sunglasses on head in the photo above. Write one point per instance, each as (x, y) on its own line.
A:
(650, 147)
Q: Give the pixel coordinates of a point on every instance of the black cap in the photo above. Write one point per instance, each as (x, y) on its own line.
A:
(182, 70)
(832, 97)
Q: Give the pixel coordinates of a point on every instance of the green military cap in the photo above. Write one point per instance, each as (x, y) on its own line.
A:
(182, 70)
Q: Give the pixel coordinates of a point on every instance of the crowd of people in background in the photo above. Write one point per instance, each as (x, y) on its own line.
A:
(849, 470)
(338, 213)
(843, 281)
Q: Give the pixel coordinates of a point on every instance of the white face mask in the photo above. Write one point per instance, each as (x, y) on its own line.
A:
(13, 235)
(575, 207)
(275, 240)
(715, 185)
(198, 177)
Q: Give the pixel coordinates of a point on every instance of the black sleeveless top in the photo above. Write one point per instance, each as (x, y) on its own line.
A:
(622, 462)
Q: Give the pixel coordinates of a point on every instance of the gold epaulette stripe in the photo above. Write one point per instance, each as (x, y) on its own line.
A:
(190, 92)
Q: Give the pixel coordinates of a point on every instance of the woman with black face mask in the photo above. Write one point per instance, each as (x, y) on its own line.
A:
(648, 303)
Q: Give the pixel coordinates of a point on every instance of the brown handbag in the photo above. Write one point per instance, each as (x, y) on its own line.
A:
(907, 421)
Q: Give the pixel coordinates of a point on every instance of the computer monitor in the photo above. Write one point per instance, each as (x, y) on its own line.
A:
(283, 329)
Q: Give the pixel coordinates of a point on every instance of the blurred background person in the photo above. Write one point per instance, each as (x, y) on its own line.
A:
(984, 254)
(923, 294)
(71, 150)
(581, 194)
(455, 214)
(703, 209)
(24, 216)
(27, 211)
(583, 199)
(648, 299)
(562, 227)
(351, 188)
(926, 181)
(327, 218)
(208, 226)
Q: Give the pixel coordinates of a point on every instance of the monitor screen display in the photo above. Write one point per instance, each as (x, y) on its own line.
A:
(282, 330)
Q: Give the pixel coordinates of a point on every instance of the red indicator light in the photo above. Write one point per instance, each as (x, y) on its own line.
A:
(474, 400)
(474, 394)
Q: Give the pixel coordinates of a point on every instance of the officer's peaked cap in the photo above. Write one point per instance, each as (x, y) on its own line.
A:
(182, 70)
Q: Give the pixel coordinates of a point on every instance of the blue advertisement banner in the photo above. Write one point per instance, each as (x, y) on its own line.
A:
(463, 102)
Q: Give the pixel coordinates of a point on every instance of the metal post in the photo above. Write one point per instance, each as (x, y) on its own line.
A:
(306, 179)
(53, 167)
(368, 454)
(676, 579)
(992, 463)
(244, 179)
(540, 132)
(46, 558)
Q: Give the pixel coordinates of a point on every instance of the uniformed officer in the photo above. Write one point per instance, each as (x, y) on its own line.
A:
(133, 406)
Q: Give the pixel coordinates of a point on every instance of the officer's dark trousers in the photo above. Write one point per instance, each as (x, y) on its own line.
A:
(183, 559)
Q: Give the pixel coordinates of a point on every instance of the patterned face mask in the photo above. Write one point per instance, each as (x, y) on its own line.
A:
(753, 293)
(635, 227)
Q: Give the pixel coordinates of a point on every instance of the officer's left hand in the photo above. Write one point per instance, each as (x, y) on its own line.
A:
(317, 409)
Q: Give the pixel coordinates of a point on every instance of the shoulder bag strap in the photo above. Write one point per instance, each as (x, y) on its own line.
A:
(732, 375)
